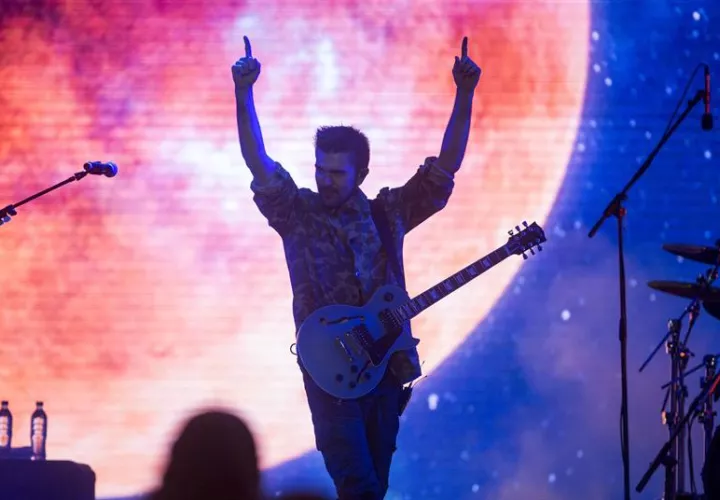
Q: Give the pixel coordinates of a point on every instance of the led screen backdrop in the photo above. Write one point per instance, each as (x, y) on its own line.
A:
(130, 302)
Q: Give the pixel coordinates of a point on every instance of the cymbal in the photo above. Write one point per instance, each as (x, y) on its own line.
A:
(706, 255)
(687, 290)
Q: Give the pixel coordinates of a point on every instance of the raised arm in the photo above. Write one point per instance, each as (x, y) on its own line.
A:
(428, 191)
(275, 191)
(245, 72)
(466, 75)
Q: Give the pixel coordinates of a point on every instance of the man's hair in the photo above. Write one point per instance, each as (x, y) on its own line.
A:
(344, 139)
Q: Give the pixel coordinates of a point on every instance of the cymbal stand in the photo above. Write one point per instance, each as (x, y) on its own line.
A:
(661, 458)
(688, 372)
(677, 392)
(679, 355)
(706, 414)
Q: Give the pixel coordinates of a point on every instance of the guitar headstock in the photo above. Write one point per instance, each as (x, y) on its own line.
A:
(525, 239)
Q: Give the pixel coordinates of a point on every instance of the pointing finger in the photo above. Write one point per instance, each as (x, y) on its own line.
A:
(248, 48)
(463, 50)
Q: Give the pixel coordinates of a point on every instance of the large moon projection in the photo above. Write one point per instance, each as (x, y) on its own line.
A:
(130, 302)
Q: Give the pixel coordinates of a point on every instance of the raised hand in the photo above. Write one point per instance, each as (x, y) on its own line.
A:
(465, 72)
(246, 70)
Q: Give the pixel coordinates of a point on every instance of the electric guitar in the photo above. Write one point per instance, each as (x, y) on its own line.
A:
(346, 349)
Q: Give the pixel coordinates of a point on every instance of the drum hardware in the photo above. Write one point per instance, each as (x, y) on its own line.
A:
(706, 415)
(663, 458)
(704, 296)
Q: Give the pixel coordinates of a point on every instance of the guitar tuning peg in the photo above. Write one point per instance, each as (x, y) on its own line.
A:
(532, 252)
(524, 223)
(525, 257)
(510, 232)
(539, 247)
(517, 228)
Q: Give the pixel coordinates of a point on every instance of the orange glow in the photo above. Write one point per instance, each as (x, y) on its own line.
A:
(129, 302)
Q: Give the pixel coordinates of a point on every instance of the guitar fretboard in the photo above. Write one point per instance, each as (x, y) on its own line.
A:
(415, 306)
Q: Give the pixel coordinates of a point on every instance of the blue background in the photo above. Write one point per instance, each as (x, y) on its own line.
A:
(642, 56)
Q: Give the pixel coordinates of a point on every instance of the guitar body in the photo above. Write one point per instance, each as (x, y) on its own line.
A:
(346, 349)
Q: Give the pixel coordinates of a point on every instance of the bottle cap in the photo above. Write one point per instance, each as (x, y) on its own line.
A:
(39, 403)
(4, 403)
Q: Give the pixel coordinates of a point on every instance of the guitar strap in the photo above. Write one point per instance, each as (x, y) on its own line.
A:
(383, 226)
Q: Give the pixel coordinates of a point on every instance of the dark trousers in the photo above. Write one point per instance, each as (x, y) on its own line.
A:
(357, 437)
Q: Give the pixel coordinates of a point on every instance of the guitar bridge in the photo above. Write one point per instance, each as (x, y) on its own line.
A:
(361, 334)
(345, 348)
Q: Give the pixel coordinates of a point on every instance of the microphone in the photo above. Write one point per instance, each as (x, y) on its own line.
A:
(707, 118)
(108, 169)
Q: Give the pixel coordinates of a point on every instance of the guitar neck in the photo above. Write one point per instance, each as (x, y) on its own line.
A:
(415, 306)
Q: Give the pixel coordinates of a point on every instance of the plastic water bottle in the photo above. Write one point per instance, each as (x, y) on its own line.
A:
(38, 431)
(5, 426)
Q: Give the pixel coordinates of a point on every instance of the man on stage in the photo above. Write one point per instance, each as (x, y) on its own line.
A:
(333, 242)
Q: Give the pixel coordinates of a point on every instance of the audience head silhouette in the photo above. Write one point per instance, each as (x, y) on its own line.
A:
(214, 458)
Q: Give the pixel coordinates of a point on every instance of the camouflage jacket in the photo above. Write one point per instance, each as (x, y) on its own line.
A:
(335, 256)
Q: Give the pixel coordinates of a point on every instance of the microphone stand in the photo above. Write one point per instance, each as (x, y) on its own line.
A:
(11, 210)
(662, 457)
(616, 209)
